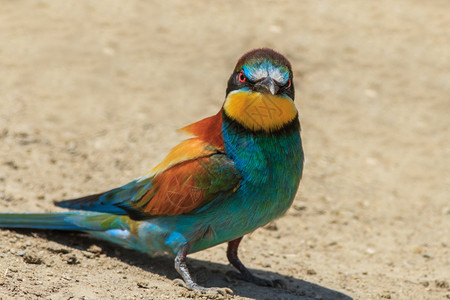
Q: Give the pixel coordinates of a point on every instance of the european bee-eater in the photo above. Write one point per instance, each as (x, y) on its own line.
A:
(240, 171)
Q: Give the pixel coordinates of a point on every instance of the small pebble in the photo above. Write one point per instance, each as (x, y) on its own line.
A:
(271, 227)
(142, 285)
(311, 272)
(32, 259)
(94, 249)
(72, 260)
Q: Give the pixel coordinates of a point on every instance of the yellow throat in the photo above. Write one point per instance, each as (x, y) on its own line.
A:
(257, 111)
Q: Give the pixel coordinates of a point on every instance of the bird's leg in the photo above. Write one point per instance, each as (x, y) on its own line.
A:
(245, 274)
(180, 266)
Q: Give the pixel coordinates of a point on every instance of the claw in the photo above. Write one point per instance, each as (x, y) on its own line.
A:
(225, 291)
(204, 290)
(179, 282)
(279, 283)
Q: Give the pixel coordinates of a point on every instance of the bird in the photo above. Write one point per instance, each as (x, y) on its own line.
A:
(239, 170)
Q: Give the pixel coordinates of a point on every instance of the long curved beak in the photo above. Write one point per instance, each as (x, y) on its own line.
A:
(266, 86)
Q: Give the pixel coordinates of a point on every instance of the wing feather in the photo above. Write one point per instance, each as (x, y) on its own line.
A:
(194, 174)
(190, 185)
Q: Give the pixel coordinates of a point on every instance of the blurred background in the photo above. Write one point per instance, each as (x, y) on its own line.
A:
(91, 93)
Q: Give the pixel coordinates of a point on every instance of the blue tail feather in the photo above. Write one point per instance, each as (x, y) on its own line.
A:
(74, 220)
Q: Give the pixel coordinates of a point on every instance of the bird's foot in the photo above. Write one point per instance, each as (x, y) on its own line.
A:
(257, 280)
(204, 290)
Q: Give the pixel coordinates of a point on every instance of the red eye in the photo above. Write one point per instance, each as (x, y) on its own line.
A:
(289, 83)
(241, 77)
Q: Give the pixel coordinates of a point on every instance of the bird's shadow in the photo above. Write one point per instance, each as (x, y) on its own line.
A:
(208, 274)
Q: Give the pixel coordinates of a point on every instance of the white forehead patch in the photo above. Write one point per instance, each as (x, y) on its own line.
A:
(264, 69)
(276, 75)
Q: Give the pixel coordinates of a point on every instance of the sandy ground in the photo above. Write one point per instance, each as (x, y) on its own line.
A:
(91, 93)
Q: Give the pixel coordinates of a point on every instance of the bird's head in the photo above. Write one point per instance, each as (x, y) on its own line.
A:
(260, 92)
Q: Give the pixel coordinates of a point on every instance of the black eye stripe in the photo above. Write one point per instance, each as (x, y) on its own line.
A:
(286, 85)
(248, 80)
(235, 84)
